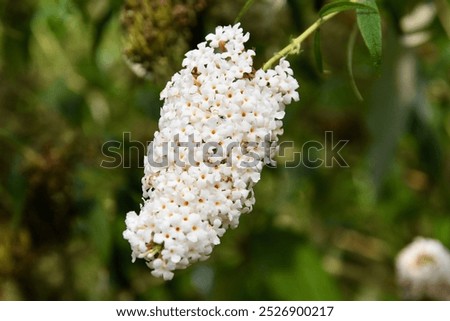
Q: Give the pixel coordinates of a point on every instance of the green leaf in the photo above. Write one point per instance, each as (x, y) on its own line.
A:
(305, 280)
(339, 6)
(318, 51)
(350, 46)
(17, 187)
(101, 232)
(392, 99)
(369, 24)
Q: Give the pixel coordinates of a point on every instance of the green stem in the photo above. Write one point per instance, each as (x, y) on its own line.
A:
(244, 9)
(295, 44)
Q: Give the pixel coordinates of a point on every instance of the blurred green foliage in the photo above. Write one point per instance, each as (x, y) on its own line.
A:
(328, 233)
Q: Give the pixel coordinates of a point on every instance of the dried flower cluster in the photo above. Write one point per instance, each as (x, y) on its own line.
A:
(217, 102)
(157, 34)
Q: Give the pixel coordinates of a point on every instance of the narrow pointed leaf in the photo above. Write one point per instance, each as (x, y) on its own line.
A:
(369, 23)
(350, 46)
(318, 51)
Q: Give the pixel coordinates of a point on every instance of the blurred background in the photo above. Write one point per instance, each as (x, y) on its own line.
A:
(329, 233)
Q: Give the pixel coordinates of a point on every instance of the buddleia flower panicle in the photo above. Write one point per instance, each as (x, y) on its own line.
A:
(217, 100)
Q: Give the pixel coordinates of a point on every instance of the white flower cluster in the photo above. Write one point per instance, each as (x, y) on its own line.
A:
(423, 270)
(217, 102)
